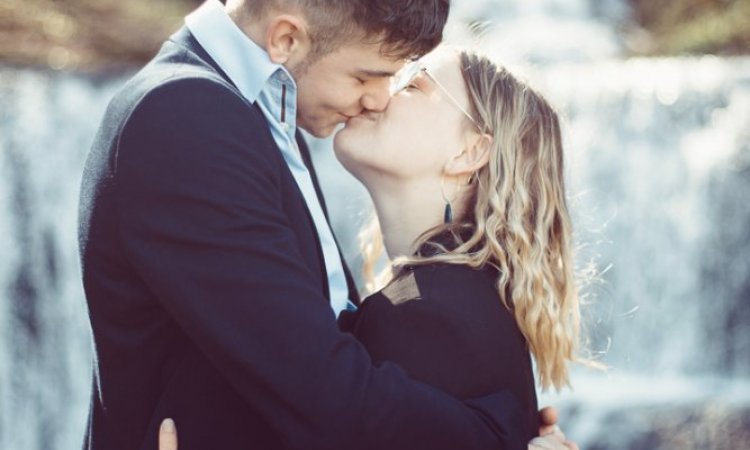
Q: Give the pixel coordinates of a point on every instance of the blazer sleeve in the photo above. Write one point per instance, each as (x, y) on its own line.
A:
(201, 221)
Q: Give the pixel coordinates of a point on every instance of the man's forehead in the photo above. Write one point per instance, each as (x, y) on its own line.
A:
(370, 59)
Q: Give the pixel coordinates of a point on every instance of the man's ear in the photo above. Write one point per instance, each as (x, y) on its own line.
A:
(287, 39)
(475, 156)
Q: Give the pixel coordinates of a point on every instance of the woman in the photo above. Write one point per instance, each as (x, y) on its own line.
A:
(465, 168)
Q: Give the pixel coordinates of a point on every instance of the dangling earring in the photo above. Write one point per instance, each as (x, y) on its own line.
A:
(448, 212)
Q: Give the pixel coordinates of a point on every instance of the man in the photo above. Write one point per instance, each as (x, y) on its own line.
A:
(212, 276)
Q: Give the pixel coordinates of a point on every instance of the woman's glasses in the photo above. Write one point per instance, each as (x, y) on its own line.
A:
(411, 71)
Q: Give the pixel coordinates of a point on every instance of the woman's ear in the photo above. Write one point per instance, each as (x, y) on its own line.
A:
(287, 39)
(475, 156)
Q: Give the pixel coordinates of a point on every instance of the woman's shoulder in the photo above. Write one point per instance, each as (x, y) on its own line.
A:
(439, 286)
(440, 275)
(453, 297)
(458, 287)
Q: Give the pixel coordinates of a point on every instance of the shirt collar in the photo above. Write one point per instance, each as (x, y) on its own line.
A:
(245, 63)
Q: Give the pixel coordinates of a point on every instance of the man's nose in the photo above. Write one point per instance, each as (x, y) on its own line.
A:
(377, 99)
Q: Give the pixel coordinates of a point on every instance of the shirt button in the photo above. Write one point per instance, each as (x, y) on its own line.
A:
(282, 76)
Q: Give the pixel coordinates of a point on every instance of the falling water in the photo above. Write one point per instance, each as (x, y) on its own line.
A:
(659, 176)
(47, 121)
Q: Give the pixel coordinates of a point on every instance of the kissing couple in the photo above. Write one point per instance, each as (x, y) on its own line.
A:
(217, 293)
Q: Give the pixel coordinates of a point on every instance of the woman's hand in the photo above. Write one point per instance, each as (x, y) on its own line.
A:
(167, 435)
(547, 420)
(550, 436)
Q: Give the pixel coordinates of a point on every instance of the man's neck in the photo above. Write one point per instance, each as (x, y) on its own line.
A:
(251, 27)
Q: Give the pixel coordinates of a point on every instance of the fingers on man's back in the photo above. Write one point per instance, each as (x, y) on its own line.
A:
(167, 435)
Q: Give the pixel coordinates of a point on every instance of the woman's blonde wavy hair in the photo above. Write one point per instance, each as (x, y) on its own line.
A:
(516, 218)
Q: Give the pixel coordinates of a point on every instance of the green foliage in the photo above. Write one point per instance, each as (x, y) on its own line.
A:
(107, 34)
(86, 34)
(693, 26)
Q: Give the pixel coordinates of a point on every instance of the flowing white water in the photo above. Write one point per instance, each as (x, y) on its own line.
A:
(47, 123)
(659, 171)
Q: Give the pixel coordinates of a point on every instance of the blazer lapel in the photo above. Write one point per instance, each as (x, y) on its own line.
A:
(305, 152)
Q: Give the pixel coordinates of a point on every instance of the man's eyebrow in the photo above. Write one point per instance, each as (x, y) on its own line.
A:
(376, 73)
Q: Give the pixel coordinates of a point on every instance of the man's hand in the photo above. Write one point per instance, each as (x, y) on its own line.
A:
(550, 436)
(167, 435)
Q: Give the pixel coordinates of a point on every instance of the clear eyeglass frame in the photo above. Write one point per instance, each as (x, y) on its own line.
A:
(411, 71)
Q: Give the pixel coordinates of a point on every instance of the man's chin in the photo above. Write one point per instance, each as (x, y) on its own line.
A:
(321, 132)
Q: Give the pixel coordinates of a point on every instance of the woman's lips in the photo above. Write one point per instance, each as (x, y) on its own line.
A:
(369, 116)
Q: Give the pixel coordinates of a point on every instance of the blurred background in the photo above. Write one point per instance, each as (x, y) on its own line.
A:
(656, 100)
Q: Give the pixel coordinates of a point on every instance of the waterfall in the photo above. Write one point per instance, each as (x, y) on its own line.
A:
(47, 123)
(658, 166)
(660, 173)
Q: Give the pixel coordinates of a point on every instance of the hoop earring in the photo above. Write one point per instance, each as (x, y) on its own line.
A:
(448, 211)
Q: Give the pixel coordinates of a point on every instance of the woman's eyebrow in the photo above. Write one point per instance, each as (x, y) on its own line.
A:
(424, 80)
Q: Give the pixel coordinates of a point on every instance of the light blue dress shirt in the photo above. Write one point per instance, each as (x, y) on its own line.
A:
(273, 88)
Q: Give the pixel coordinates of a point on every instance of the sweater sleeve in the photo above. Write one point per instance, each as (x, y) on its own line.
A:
(447, 328)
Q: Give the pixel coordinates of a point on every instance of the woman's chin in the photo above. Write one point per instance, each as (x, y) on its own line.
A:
(358, 148)
(345, 153)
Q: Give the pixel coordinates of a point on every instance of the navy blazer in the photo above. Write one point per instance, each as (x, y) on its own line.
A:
(207, 291)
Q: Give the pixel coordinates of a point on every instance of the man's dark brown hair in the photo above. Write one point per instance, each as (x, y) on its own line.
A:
(406, 29)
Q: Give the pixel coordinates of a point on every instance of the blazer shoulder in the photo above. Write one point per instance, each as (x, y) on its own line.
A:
(175, 62)
(185, 105)
(194, 122)
(168, 76)
(181, 88)
(172, 92)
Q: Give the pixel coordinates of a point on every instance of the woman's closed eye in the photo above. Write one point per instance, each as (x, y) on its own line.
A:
(416, 84)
